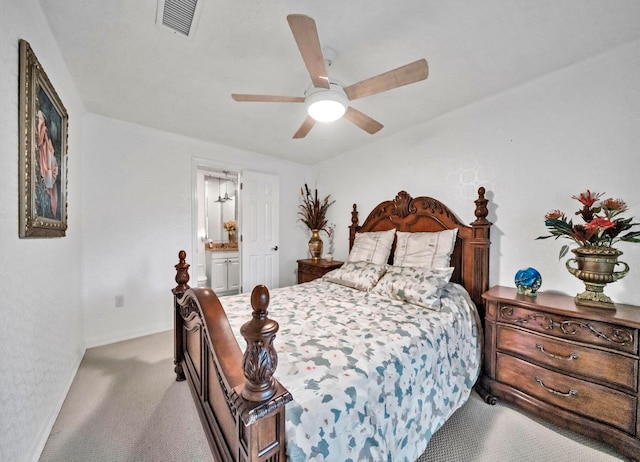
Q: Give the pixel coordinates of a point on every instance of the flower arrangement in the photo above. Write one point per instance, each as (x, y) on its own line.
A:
(603, 226)
(313, 211)
(229, 225)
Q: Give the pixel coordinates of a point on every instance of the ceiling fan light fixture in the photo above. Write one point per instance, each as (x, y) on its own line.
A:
(326, 105)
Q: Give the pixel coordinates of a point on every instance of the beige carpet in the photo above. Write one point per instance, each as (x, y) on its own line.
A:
(123, 406)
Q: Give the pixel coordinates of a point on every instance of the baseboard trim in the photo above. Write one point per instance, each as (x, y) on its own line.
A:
(41, 441)
(92, 343)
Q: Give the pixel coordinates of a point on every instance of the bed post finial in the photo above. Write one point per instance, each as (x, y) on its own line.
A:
(260, 359)
(353, 228)
(481, 208)
(182, 274)
(354, 215)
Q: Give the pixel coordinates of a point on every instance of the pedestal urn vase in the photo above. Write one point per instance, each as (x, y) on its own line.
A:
(595, 266)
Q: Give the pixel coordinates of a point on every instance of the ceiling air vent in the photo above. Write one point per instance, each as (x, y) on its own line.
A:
(178, 15)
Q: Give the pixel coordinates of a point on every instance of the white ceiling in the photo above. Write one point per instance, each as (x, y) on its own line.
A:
(127, 67)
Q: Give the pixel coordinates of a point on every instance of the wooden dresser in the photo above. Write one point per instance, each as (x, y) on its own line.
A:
(574, 366)
(309, 269)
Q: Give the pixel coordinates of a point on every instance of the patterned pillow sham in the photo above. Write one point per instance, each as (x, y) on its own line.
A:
(357, 275)
(426, 250)
(418, 286)
(373, 247)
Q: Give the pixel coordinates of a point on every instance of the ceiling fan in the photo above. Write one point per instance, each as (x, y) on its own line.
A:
(328, 100)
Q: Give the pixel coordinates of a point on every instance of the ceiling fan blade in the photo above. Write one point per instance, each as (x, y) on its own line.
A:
(404, 75)
(362, 120)
(267, 98)
(304, 128)
(306, 35)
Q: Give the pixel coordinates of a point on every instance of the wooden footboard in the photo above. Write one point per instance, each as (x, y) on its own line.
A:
(240, 403)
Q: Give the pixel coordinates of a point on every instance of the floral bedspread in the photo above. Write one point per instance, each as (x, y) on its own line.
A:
(371, 378)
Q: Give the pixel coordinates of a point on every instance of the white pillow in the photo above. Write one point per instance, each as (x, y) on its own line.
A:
(373, 247)
(418, 286)
(359, 275)
(426, 250)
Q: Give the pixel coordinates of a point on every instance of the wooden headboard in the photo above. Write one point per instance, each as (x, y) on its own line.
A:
(425, 214)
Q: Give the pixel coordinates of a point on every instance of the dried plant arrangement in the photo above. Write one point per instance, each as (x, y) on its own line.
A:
(313, 211)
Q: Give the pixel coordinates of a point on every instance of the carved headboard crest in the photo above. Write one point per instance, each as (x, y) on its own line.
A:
(402, 204)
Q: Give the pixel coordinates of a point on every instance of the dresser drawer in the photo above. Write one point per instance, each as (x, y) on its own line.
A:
(309, 273)
(588, 399)
(603, 366)
(577, 329)
(309, 270)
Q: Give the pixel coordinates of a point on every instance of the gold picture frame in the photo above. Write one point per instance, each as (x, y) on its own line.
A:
(43, 134)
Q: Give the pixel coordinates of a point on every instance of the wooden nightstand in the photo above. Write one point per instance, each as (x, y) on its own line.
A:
(309, 269)
(574, 366)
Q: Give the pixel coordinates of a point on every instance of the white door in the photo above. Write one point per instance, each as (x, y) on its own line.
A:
(260, 230)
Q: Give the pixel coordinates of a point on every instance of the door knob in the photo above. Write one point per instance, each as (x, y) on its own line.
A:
(274, 248)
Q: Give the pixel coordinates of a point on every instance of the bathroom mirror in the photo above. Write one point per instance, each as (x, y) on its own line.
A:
(220, 206)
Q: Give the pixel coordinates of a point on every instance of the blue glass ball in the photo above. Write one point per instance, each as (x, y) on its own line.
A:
(528, 281)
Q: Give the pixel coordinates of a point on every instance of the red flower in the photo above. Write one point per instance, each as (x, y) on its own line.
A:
(617, 205)
(588, 199)
(582, 234)
(599, 223)
(554, 215)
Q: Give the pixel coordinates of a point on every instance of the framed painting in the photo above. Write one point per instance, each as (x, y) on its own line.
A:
(43, 126)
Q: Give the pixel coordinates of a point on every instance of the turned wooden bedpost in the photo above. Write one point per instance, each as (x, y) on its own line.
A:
(260, 359)
(480, 243)
(261, 399)
(182, 278)
(353, 228)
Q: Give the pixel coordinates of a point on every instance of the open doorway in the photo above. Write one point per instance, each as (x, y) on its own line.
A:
(217, 244)
(253, 259)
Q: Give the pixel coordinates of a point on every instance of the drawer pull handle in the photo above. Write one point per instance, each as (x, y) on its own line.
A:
(571, 392)
(572, 356)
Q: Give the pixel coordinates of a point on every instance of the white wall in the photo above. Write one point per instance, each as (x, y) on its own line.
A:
(40, 311)
(137, 199)
(532, 147)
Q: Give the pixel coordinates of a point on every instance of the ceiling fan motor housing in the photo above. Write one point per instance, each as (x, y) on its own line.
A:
(326, 104)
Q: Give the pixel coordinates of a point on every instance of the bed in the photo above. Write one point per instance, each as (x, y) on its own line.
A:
(365, 363)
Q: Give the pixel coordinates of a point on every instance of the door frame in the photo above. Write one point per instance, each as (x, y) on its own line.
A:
(197, 164)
